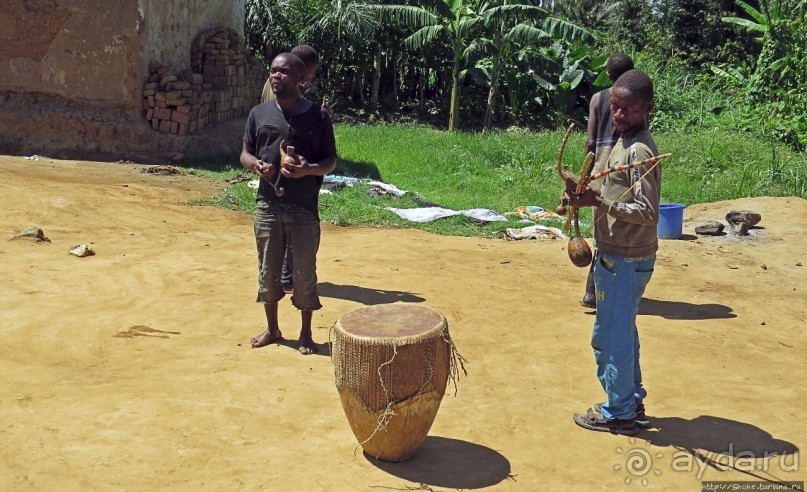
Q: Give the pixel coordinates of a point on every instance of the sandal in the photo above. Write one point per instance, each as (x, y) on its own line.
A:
(641, 419)
(596, 422)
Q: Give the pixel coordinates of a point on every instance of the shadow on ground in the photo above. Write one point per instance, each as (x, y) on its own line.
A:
(683, 237)
(450, 463)
(724, 444)
(359, 169)
(364, 295)
(684, 310)
(322, 348)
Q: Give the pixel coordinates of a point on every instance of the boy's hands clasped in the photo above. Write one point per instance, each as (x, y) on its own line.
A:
(267, 171)
(296, 170)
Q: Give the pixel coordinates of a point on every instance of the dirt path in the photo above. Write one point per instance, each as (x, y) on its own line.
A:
(132, 369)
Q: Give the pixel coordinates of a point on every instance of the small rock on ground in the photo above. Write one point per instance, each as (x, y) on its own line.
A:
(710, 228)
(744, 216)
(34, 233)
(82, 250)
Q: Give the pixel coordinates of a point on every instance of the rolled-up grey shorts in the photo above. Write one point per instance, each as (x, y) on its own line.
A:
(277, 224)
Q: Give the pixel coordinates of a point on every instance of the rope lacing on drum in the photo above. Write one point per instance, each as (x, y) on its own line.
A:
(456, 362)
(385, 416)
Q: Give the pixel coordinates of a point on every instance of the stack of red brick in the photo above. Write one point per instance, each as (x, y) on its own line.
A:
(237, 77)
(174, 105)
(226, 83)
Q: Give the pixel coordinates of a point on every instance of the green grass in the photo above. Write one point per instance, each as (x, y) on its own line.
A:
(503, 170)
(236, 196)
(712, 166)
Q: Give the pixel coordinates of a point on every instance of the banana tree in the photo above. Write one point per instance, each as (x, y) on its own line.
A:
(550, 85)
(779, 26)
(270, 26)
(349, 25)
(454, 22)
(512, 25)
(590, 14)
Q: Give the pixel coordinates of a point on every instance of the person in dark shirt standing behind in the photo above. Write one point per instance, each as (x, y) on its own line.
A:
(602, 135)
(290, 216)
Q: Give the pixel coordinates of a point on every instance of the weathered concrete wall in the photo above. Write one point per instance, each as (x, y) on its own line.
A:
(95, 50)
(72, 73)
(76, 49)
(170, 26)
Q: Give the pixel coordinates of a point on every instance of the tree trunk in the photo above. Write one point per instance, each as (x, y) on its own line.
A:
(424, 78)
(492, 95)
(513, 98)
(377, 66)
(355, 87)
(454, 114)
(394, 59)
(362, 101)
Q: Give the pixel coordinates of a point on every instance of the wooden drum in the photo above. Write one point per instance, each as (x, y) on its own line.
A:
(392, 364)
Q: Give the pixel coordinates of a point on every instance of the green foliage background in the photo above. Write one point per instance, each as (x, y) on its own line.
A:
(725, 64)
(729, 79)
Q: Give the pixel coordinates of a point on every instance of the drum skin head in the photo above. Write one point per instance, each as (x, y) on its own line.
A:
(392, 321)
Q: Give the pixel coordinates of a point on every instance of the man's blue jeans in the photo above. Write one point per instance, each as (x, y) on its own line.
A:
(620, 283)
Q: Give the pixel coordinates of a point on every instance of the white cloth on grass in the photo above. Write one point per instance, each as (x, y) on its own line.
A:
(484, 214)
(427, 214)
(535, 232)
(342, 180)
(391, 189)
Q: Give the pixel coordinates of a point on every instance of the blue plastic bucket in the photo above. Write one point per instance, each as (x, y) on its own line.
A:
(670, 220)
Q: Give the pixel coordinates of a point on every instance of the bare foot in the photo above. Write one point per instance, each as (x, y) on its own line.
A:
(307, 345)
(266, 338)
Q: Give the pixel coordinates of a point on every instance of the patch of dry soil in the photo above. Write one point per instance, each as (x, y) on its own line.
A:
(132, 369)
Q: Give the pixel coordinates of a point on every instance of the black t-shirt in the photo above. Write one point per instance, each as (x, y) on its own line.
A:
(311, 134)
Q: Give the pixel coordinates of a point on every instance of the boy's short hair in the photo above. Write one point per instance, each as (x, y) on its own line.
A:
(637, 82)
(617, 64)
(293, 60)
(307, 54)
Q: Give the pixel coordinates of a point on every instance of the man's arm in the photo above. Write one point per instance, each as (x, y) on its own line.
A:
(593, 123)
(645, 193)
(328, 108)
(643, 209)
(306, 168)
(324, 166)
(255, 165)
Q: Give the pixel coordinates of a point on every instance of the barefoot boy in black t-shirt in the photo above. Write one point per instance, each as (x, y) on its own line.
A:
(291, 216)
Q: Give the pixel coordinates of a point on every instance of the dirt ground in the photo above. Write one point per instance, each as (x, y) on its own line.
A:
(132, 370)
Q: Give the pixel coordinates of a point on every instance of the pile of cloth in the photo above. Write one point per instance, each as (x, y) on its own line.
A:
(536, 231)
(533, 213)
